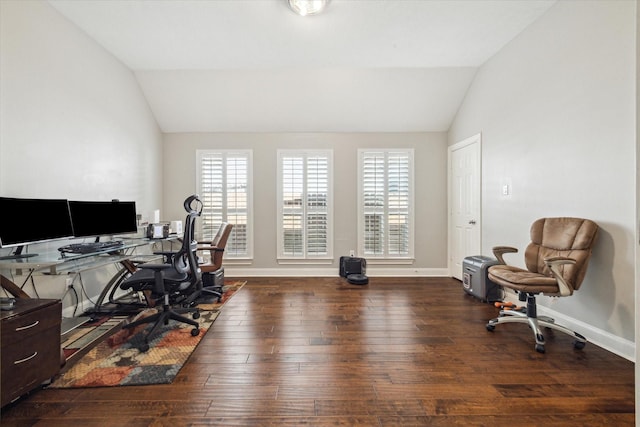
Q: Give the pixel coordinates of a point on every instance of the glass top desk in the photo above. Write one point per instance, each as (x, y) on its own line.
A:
(53, 262)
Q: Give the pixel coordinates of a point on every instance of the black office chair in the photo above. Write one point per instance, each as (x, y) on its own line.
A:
(180, 276)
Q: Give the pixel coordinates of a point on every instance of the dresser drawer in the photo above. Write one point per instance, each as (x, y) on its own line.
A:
(25, 365)
(30, 338)
(27, 324)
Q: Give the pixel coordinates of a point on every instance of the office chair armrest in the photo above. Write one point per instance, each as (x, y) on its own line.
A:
(554, 265)
(498, 251)
(155, 267)
(210, 248)
(205, 245)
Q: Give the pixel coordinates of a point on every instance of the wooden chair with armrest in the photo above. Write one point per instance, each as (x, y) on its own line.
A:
(216, 251)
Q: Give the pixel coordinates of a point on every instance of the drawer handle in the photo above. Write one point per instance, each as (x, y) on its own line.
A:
(22, 328)
(26, 359)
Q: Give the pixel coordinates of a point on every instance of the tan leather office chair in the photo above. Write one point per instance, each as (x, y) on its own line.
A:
(556, 261)
(216, 250)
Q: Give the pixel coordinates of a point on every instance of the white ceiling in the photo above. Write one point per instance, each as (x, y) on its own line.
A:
(255, 66)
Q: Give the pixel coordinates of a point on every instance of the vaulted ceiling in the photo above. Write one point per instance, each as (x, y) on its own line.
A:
(255, 66)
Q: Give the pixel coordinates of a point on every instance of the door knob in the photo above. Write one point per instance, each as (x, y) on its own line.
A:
(472, 222)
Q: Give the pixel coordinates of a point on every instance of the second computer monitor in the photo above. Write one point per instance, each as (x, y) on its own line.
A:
(99, 218)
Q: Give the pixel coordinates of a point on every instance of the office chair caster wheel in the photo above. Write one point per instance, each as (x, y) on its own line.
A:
(579, 345)
(144, 348)
(196, 314)
(195, 332)
(490, 327)
(540, 348)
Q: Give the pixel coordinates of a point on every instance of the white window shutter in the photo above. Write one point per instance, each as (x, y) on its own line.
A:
(304, 197)
(317, 215)
(225, 190)
(292, 193)
(386, 203)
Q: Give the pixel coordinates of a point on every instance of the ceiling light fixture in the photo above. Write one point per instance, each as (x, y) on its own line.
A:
(307, 7)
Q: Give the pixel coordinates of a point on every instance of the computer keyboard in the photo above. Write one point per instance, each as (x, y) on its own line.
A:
(87, 248)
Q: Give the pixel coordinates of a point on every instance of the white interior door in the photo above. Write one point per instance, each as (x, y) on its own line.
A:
(464, 202)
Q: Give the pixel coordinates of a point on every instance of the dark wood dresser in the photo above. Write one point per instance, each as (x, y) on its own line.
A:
(30, 339)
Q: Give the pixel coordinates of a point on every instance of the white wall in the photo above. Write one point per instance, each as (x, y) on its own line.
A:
(556, 108)
(430, 192)
(73, 121)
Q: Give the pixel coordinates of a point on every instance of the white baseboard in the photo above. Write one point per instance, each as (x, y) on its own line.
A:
(608, 341)
(233, 271)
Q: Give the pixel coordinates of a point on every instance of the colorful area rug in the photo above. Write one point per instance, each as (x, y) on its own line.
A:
(117, 360)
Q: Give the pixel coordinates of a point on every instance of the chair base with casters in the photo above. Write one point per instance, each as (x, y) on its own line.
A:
(535, 322)
(211, 292)
(212, 284)
(202, 294)
(168, 312)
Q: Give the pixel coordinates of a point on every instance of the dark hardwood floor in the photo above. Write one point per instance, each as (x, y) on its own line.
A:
(397, 352)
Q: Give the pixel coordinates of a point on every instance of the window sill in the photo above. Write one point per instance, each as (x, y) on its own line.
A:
(237, 261)
(390, 261)
(299, 261)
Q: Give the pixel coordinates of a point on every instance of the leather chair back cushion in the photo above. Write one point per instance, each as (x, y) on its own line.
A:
(219, 241)
(564, 237)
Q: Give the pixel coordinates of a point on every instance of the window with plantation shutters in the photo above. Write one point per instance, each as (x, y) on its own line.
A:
(224, 178)
(385, 206)
(304, 205)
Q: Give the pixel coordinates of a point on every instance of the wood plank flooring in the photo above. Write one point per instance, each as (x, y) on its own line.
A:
(397, 352)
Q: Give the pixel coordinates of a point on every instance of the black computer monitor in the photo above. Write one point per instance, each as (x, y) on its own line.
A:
(26, 221)
(98, 218)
